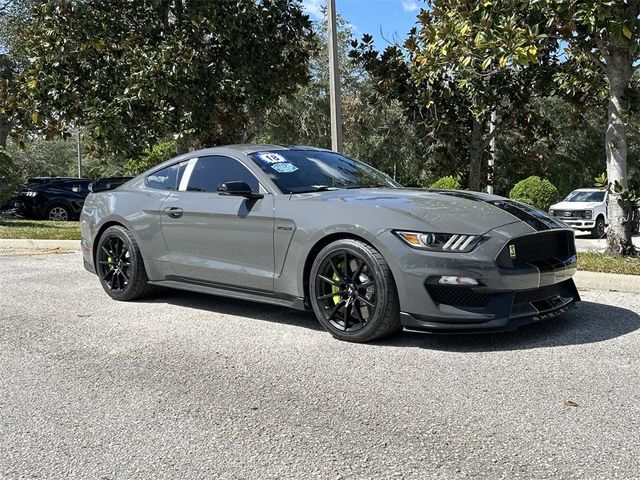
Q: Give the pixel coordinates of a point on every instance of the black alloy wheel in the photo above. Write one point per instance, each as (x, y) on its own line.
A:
(346, 291)
(352, 292)
(119, 265)
(114, 263)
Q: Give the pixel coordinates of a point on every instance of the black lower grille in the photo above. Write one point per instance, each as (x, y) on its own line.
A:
(465, 297)
(539, 248)
(537, 294)
(457, 296)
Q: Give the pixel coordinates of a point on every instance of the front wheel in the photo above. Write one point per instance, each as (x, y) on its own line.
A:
(599, 228)
(119, 265)
(353, 293)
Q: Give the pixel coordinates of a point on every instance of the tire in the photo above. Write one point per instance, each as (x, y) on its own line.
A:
(353, 293)
(57, 213)
(119, 265)
(599, 230)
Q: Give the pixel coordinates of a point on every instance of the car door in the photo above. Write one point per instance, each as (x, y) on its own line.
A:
(222, 240)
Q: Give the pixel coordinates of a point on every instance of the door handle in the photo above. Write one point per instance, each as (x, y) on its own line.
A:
(173, 212)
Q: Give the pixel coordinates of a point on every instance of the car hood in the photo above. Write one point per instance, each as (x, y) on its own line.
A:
(575, 205)
(448, 211)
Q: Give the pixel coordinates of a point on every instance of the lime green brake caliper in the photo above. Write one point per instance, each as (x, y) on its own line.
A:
(336, 288)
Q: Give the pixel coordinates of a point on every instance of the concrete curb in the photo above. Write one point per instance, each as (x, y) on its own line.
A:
(607, 281)
(27, 244)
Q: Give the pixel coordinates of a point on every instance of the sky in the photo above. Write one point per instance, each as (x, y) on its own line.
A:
(387, 20)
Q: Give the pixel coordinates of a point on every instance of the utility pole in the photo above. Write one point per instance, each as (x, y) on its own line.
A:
(334, 80)
(79, 154)
(492, 151)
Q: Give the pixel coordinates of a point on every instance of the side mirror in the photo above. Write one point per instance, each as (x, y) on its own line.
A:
(239, 189)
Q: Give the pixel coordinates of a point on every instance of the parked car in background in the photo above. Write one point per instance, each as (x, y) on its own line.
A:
(56, 198)
(50, 198)
(584, 209)
(108, 183)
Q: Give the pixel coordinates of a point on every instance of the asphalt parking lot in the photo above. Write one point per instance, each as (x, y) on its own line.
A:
(190, 386)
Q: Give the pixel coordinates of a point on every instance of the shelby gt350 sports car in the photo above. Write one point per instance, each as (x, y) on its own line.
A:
(312, 229)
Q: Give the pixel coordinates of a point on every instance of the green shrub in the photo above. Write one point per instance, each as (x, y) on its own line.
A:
(150, 158)
(535, 191)
(446, 183)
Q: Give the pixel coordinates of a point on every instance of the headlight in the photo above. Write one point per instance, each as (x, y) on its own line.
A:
(552, 213)
(440, 242)
(588, 213)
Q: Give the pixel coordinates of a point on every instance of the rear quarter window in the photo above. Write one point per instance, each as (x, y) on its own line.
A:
(164, 179)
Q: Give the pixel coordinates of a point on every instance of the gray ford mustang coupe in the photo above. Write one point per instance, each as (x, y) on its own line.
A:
(312, 229)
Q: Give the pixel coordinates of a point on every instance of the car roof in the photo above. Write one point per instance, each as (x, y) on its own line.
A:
(248, 148)
(589, 190)
(230, 150)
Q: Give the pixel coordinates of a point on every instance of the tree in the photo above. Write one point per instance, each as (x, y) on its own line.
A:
(608, 33)
(12, 16)
(133, 73)
(464, 61)
(374, 131)
(566, 147)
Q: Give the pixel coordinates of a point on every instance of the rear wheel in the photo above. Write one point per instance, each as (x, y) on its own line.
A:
(119, 265)
(598, 230)
(58, 213)
(353, 293)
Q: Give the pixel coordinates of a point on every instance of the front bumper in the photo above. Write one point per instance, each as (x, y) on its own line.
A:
(21, 209)
(509, 294)
(505, 311)
(580, 224)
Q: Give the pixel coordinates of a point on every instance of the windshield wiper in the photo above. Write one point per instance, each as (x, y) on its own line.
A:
(317, 188)
(351, 187)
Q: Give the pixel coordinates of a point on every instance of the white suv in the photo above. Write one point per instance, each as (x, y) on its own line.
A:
(584, 209)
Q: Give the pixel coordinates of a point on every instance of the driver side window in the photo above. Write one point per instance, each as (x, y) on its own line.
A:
(210, 172)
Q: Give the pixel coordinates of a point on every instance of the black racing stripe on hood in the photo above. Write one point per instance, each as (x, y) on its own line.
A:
(532, 217)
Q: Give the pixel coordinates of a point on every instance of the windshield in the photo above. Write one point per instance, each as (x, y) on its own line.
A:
(300, 171)
(578, 196)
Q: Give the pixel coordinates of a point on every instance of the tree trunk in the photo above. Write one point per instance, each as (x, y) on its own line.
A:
(5, 128)
(619, 70)
(183, 144)
(475, 156)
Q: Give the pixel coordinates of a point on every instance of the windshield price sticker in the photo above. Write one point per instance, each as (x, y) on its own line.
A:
(284, 167)
(271, 157)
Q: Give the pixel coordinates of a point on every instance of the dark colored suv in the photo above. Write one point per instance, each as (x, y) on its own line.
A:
(55, 198)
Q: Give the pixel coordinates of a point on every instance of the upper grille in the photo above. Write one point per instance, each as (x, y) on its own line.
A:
(537, 248)
(571, 214)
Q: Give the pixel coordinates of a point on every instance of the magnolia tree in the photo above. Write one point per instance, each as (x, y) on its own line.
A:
(465, 60)
(135, 72)
(467, 57)
(608, 33)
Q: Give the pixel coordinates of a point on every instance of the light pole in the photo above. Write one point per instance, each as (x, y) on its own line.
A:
(79, 154)
(334, 80)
